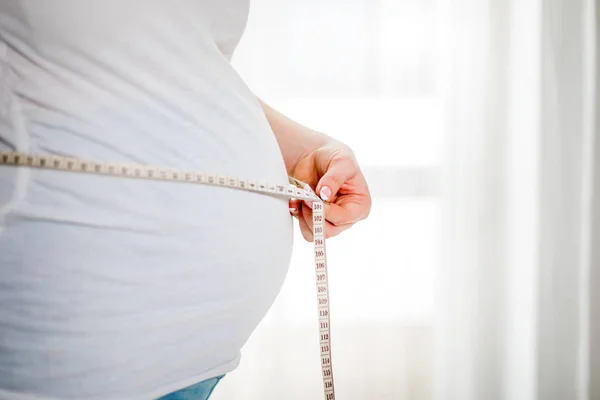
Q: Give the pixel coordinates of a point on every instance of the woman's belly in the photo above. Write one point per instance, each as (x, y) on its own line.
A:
(113, 287)
(134, 289)
(110, 286)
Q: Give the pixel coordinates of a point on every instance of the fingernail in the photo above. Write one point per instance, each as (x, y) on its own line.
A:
(308, 203)
(307, 187)
(325, 193)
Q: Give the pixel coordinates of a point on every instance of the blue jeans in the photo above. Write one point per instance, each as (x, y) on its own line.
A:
(199, 391)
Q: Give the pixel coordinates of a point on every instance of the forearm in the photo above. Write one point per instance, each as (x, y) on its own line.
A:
(295, 140)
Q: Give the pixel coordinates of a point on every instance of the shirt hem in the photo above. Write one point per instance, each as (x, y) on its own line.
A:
(154, 394)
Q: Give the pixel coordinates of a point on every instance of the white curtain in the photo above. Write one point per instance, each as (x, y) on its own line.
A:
(518, 288)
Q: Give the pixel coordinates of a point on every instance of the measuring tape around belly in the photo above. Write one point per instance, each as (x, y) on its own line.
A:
(293, 190)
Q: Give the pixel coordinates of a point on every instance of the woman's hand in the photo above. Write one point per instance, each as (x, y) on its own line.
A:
(333, 173)
(327, 166)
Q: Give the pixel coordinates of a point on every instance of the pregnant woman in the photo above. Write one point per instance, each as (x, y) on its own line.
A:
(113, 288)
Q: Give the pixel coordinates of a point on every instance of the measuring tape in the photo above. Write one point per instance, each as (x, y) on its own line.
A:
(293, 190)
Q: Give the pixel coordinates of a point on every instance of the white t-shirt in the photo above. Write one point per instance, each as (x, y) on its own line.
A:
(112, 288)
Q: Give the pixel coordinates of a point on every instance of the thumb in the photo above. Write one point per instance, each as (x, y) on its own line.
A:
(337, 173)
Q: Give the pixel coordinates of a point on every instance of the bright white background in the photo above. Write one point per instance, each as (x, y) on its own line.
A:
(476, 122)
